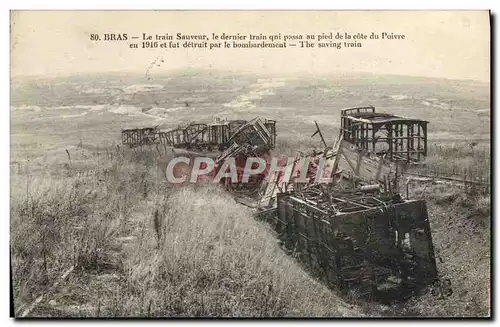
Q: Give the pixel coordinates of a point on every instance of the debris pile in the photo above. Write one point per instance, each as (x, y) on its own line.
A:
(202, 137)
(347, 220)
(357, 232)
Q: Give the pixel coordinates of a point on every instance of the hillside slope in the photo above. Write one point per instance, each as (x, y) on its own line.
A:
(142, 248)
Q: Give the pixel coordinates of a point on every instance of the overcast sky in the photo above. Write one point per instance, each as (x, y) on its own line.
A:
(448, 44)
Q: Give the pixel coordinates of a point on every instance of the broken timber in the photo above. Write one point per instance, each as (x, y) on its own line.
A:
(200, 136)
(355, 232)
(398, 138)
(358, 233)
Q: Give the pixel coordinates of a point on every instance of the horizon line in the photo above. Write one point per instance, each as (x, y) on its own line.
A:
(178, 71)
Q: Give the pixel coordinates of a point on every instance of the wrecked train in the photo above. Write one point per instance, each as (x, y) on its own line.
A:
(356, 233)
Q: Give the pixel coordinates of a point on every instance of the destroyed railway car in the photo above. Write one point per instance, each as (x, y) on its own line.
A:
(252, 139)
(399, 139)
(377, 245)
(218, 135)
(200, 136)
(133, 137)
(357, 233)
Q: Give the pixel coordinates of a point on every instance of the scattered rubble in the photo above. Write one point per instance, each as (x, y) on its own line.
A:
(356, 232)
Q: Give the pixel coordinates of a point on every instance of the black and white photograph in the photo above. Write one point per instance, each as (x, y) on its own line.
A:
(250, 164)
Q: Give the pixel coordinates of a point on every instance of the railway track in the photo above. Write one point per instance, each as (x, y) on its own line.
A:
(424, 178)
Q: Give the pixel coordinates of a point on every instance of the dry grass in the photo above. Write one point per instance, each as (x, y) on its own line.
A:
(209, 257)
(142, 248)
(58, 223)
(461, 227)
(460, 222)
(213, 258)
(469, 161)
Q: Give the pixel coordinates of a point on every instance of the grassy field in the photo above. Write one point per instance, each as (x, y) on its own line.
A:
(141, 248)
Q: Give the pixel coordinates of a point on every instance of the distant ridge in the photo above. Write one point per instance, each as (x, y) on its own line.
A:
(381, 78)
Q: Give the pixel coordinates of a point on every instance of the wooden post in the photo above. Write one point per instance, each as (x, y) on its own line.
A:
(361, 136)
(389, 136)
(373, 139)
(418, 143)
(424, 128)
(396, 134)
(408, 143)
(367, 136)
(401, 134)
(413, 139)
